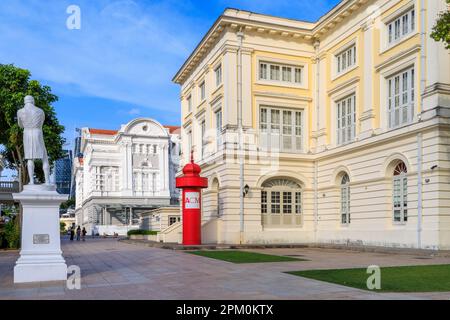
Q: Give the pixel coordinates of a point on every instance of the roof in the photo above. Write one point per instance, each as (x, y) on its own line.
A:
(172, 129)
(102, 131)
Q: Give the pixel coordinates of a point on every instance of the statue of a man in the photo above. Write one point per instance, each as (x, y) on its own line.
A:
(31, 119)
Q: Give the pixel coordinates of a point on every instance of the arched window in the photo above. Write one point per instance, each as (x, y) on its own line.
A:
(281, 202)
(400, 193)
(345, 199)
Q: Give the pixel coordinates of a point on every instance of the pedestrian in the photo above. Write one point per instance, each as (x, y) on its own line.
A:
(78, 233)
(83, 234)
(72, 233)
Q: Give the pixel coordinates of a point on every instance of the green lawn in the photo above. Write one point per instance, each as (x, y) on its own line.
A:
(236, 256)
(393, 279)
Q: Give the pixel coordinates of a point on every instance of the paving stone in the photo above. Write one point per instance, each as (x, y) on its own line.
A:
(115, 270)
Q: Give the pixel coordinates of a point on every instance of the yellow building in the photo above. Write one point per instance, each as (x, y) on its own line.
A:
(345, 126)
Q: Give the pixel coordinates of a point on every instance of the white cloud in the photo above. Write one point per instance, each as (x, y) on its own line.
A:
(134, 111)
(124, 51)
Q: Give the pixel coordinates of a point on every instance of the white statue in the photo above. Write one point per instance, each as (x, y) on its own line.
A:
(31, 119)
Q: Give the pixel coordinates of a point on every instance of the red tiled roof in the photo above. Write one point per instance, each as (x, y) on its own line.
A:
(172, 129)
(102, 131)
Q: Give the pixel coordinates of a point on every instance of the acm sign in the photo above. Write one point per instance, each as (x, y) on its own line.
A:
(192, 200)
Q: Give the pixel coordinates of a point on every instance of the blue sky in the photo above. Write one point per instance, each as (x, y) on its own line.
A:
(119, 65)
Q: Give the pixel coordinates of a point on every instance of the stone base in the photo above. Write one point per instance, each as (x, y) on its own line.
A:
(41, 257)
(40, 272)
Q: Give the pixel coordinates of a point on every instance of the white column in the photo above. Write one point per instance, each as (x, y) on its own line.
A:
(131, 216)
(436, 78)
(321, 133)
(229, 78)
(161, 166)
(367, 111)
(166, 168)
(246, 88)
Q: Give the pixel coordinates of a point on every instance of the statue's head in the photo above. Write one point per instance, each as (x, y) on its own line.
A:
(28, 99)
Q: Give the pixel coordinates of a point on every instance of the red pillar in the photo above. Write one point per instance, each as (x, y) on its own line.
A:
(191, 183)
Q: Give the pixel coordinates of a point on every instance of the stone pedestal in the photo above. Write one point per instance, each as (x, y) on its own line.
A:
(41, 256)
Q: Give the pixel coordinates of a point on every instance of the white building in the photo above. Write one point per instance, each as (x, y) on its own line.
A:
(124, 173)
(342, 126)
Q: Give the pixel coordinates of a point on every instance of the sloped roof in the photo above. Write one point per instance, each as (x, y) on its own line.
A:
(172, 129)
(102, 131)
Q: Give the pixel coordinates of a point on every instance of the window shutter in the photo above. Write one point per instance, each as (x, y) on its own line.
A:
(275, 130)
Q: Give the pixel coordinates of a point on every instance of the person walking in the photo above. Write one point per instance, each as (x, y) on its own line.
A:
(72, 233)
(83, 234)
(78, 233)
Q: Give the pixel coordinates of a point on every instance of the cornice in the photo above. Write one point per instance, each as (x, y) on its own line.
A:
(399, 56)
(282, 95)
(271, 26)
(343, 85)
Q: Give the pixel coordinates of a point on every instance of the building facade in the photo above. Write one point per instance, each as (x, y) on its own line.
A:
(345, 126)
(124, 173)
(63, 173)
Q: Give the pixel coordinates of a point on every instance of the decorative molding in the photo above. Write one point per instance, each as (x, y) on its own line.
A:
(440, 88)
(367, 25)
(396, 58)
(271, 94)
(368, 114)
(200, 113)
(343, 85)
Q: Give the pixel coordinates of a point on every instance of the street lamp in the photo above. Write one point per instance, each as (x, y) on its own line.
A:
(246, 189)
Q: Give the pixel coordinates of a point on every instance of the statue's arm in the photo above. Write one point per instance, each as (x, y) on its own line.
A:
(19, 120)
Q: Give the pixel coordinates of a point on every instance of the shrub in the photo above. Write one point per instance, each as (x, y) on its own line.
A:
(142, 232)
(11, 234)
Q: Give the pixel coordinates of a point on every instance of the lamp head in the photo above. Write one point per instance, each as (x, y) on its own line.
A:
(246, 189)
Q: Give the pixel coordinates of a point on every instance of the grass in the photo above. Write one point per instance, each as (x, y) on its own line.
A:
(429, 278)
(236, 256)
(141, 232)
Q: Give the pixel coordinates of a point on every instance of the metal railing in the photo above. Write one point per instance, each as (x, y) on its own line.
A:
(9, 186)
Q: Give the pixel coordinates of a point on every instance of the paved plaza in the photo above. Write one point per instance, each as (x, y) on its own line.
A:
(112, 269)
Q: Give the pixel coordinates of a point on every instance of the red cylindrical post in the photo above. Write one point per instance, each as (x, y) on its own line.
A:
(191, 183)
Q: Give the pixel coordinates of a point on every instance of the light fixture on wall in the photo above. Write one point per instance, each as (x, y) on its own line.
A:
(246, 189)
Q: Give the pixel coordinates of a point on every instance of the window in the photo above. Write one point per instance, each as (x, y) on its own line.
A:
(400, 193)
(263, 201)
(174, 219)
(218, 72)
(281, 73)
(219, 128)
(281, 202)
(345, 199)
(346, 119)
(263, 71)
(401, 27)
(202, 91)
(203, 131)
(280, 129)
(401, 95)
(154, 148)
(346, 59)
(189, 103)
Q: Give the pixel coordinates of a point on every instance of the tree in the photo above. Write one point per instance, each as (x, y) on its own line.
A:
(441, 30)
(15, 84)
(70, 203)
